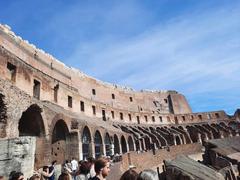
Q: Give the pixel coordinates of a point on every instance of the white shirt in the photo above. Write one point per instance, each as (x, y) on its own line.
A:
(74, 164)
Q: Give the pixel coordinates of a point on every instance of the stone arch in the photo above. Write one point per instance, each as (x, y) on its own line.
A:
(98, 144)
(31, 124)
(108, 145)
(130, 143)
(123, 144)
(86, 143)
(235, 125)
(3, 116)
(178, 140)
(116, 144)
(59, 141)
(147, 143)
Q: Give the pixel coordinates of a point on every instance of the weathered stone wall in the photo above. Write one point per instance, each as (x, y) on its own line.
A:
(32, 63)
(146, 160)
(17, 155)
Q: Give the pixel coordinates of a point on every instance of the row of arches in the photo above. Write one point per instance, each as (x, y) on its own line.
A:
(147, 138)
(62, 141)
(112, 144)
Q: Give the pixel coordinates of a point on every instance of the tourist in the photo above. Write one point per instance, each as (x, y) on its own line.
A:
(92, 170)
(2, 178)
(64, 176)
(67, 167)
(45, 173)
(102, 169)
(148, 174)
(84, 171)
(51, 168)
(16, 176)
(129, 175)
(35, 177)
(74, 167)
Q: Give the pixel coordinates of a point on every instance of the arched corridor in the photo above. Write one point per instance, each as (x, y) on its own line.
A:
(123, 144)
(98, 144)
(31, 124)
(108, 143)
(86, 143)
(59, 141)
(116, 145)
(130, 144)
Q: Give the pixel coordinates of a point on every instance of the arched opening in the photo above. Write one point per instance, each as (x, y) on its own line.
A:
(178, 140)
(31, 124)
(98, 144)
(108, 145)
(137, 145)
(3, 116)
(130, 144)
(86, 143)
(124, 145)
(59, 141)
(116, 145)
(147, 143)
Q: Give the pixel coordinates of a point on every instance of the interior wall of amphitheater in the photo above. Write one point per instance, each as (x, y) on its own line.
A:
(73, 115)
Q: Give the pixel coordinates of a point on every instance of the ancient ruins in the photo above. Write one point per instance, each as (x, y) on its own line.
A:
(49, 111)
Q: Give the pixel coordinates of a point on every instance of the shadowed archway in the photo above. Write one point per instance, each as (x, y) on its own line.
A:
(116, 145)
(31, 124)
(98, 144)
(124, 145)
(86, 143)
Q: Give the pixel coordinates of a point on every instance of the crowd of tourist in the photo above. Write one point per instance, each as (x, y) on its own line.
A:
(84, 170)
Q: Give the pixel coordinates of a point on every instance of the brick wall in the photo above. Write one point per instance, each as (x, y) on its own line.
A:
(147, 160)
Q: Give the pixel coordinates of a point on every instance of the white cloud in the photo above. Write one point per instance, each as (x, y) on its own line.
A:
(194, 53)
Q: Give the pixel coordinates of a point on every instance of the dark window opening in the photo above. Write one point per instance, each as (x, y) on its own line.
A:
(36, 89)
(165, 100)
(55, 89)
(153, 118)
(103, 115)
(138, 120)
(113, 96)
(191, 117)
(176, 120)
(94, 110)
(93, 92)
(130, 117)
(82, 106)
(200, 116)
(130, 99)
(217, 115)
(112, 112)
(121, 116)
(146, 118)
(70, 101)
(160, 118)
(183, 118)
(12, 70)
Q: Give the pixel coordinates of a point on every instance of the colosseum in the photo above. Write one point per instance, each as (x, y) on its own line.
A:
(49, 111)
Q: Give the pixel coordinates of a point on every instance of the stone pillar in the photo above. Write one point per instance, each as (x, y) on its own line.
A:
(199, 138)
(92, 148)
(104, 149)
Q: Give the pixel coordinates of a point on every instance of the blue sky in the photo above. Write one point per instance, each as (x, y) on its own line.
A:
(189, 46)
